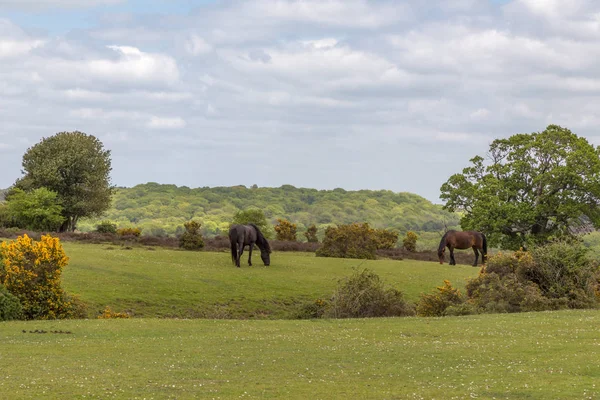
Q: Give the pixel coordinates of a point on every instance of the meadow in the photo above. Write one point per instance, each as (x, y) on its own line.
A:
(244, 348)
(549, 355)
(159, 282)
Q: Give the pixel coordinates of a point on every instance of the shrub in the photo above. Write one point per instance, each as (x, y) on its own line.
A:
(312, 310)
(129, 232)
(10, 307)
(562, 270)
(106, 227)
(191, 239)
(311, 234)
(110, 314)
(349, 241)
(410, 241)
(436, 304)
(385, 239)
(554, 276)
(285, 230)
(364, 295)
(253, 216)
(31, 271)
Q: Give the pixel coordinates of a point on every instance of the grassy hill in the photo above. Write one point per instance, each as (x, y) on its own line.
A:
(162, 209)
(173, 283)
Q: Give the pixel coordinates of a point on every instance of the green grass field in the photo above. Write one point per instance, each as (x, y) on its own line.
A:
(523, 356)
(550, 355)
(172, 283)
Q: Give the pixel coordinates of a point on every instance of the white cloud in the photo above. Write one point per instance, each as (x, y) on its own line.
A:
(196, 46)
(166, 123)
(358, 13)
(393, 82)
(33, 5)
(134, 65)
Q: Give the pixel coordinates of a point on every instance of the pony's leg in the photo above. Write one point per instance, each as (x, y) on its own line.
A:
(452, 260)
(241, 251)
(476, 256)
(250, 247)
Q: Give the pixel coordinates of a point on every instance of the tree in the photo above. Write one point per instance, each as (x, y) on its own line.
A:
(410, 241)
(37, 210)
(535, 186)
(191, 239)
(253, 216)
(76, 167)
(311, 234)
(285, 230)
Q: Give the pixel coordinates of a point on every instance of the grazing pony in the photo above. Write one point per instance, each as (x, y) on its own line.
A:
(463, 240)
(248, 235)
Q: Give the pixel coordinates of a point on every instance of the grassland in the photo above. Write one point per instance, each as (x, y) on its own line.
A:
(172, 283)
(550, 355)
(525, 356)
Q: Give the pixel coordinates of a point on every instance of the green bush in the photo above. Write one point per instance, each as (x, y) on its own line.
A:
(550, 277)
(311, 234)
(312, 310)
(562, 270)
(410, 241)
(253, 216)
(106, 227)
(349, 241)
(364, 295)
(191, 239)
(385, 239)
(10, 307)
(436, 304)
(129, 232)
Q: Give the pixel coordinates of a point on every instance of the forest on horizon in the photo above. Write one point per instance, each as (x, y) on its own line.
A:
(161, 209)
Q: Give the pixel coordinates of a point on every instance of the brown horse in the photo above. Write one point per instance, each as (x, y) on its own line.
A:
(463, 240)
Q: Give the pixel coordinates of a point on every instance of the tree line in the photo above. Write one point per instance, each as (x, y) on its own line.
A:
(528, 189)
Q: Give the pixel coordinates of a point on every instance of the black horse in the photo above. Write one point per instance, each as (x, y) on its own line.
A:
(463, 240)
(248, 235)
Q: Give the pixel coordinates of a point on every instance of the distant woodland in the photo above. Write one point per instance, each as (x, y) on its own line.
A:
(161, 210)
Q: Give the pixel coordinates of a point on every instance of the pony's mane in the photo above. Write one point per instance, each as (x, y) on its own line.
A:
(443, 242)
(260, 239)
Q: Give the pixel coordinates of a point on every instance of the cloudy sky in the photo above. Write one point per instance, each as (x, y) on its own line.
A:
(356, 94)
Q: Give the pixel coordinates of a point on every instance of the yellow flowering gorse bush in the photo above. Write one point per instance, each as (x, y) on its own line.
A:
(31, 271)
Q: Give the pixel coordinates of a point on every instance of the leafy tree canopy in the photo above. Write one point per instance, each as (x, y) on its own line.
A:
(156, 207)
(533, 187)
(256, 217)
(37, 210)
(76, 167)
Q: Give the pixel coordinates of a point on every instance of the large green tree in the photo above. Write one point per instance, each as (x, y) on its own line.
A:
(530, 188)
(76, 167)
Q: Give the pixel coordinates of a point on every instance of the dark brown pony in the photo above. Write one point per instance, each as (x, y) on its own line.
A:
(248, 235)
(463, 240)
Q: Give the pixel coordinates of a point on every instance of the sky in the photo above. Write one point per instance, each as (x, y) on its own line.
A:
(395, 95)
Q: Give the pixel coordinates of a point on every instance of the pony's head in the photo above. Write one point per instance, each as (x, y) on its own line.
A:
(263, 245)
(265, 255)
(441, 254)
(442, 247)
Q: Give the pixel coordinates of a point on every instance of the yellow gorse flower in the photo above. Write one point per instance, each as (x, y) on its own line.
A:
(31, 271)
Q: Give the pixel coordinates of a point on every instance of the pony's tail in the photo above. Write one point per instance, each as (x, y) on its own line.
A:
(233, 243)
(484, 255)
